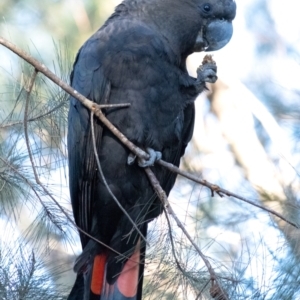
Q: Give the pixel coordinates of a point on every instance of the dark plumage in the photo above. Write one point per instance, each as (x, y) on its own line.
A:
(139, 56)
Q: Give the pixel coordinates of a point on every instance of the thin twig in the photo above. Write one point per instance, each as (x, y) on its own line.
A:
(103, 106)
(132, 147)
(186, 274)
(36, 117)
(164, 199)
(59, 206)
(172, 242)
(29, 89)
(220, 191)
(106, 184)
(31, 186)
(201, 291)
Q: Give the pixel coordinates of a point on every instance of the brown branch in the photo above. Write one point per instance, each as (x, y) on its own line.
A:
(106, 184)
(133, 148)
(29, 89)
(164, 199)
(34, 118)
(216, 290)
(58, 205)
(56, 108)
(213, 187)
(220, 191)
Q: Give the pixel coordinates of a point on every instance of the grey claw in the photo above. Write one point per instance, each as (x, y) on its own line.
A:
(154, 156)
(131, 159)
(207, 73)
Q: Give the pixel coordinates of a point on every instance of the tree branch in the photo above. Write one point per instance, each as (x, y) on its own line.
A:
(106, 184)
(164, 199)
(133, 148)
(29, 89)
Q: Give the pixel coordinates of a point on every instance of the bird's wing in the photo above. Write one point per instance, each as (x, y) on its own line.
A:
(88, 79)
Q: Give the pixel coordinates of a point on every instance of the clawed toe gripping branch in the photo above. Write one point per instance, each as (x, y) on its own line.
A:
(216, 289)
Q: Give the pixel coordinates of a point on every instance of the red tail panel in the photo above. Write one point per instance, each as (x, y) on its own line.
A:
(98, 273)
(128, 280)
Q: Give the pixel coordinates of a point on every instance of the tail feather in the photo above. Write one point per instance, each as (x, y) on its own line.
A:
(92, 285)
(98, 273)
(94, 282)
(126, 286)
(127, 281)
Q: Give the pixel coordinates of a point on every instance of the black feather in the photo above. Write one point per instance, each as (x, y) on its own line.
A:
(140, 52)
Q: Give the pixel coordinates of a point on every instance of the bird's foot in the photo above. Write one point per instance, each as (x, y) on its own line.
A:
(154, 156)
(144, 163)
(131, 159)
(207, 72)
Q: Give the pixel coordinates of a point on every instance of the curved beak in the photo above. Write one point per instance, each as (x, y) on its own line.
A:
(214, 36)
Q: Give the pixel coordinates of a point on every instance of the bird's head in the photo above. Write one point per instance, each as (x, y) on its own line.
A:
(216, 28)
(191, 25)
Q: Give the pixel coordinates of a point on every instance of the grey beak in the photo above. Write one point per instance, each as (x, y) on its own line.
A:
(218, 34)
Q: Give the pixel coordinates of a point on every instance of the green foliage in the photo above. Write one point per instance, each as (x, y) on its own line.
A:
(23, 277)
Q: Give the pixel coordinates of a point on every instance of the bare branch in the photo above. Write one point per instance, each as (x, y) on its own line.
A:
(133, 148)
(220, 191)
(164, 199)
(216, 290)
(58, 205)
(56, 108)
(106, 184)
(34, 118)
(29, 89)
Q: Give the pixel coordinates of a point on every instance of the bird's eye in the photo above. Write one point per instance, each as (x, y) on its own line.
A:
(206, 8)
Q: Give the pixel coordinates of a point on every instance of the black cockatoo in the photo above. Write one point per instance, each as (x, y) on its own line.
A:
(139, 57)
